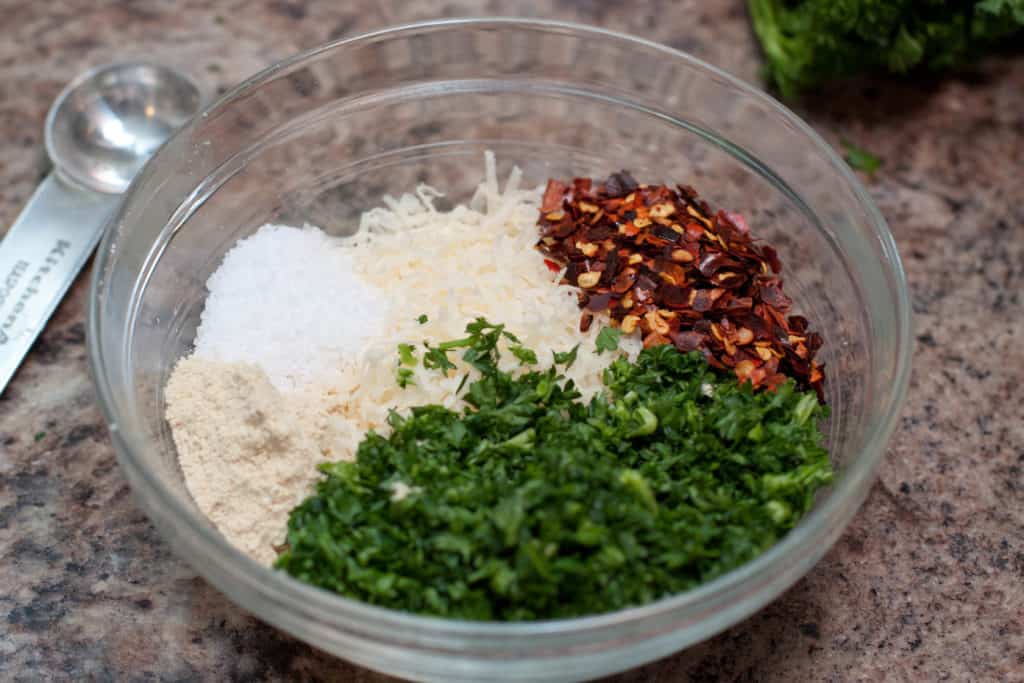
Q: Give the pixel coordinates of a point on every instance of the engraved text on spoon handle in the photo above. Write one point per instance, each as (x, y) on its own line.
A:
(39, 259)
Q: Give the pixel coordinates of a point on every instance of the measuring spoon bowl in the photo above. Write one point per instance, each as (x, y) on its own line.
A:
(99, 132)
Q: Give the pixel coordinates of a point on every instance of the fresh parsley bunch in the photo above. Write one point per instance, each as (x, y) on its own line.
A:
(807, 42)
(533, 504)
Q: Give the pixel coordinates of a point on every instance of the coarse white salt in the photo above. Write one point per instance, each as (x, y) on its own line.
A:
(288, 300)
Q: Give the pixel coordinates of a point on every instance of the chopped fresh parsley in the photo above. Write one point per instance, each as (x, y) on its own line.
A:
(407, 354)
(860, 159)
(404, 377)
(437, 359)
(531, 503)
(566, 358)
(524, 355)
(406, 357)
(422, 319)
(608, 339)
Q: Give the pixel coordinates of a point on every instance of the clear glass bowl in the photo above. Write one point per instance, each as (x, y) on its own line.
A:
(322, 136)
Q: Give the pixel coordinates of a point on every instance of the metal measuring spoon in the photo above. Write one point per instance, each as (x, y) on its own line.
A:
(99, 132)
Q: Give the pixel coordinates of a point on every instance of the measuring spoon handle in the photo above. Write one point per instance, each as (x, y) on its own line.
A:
(39, 258)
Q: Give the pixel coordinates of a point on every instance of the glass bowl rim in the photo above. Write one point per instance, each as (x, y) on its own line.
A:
(333, 608)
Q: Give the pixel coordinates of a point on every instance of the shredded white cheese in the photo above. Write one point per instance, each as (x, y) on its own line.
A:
(476, 260)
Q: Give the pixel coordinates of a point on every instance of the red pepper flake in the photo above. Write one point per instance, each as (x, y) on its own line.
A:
(553, 196)
(666, 264)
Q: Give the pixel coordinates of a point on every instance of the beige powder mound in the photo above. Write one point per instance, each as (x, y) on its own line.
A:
(248, 453)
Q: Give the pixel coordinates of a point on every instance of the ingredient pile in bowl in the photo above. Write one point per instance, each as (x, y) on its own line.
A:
(545, 403)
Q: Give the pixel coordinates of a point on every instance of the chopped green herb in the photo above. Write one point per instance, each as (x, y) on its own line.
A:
(405, 377)
(526, 356)
(406, 357)
(407, 354)
(566, 358)
(508, 335)
(40, 436)
(533, 504)
(437, 359)
(608, 339)
(422, 319)
(859, 159)
(481, 346)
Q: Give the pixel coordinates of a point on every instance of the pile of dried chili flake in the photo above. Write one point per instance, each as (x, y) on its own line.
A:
(661, 261)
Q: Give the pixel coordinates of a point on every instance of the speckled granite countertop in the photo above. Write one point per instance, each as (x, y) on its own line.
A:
(928, 582)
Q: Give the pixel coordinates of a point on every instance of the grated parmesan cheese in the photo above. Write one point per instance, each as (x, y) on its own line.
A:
(476, 260)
